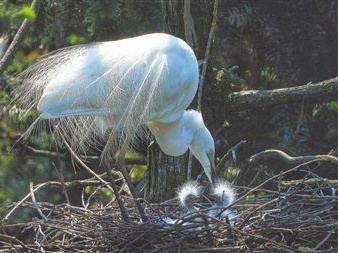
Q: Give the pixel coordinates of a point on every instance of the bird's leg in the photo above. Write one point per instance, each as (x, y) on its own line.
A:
(122, 167)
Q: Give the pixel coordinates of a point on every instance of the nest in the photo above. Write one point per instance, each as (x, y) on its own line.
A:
(301, 216)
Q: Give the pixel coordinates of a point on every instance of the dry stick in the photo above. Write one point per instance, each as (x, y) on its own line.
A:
(221, 162)
(113, 186)
(83, 164)
(45, 153)
(207, 53)
(204, 68)
(268, 180)
(23, 200)
(38, 187)
(321, 243)
(9, 55)
(62, 179)
(15, 240)
(34, 202)
(190, 37)
(122, 166)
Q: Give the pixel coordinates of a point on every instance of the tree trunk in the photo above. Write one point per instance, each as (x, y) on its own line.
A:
(165, 174)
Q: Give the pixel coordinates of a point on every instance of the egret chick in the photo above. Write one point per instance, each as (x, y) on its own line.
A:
(117, 87)
(225, 196)
(189, 193)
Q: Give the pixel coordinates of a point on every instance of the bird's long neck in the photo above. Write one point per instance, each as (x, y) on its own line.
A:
(174, 138)
(187, 132)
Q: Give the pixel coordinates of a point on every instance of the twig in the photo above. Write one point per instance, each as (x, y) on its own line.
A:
(22, 201)
(19, 36)
(321, 243)
(189, 26)
(204, 68)
(112, 187)
(62, 179)
(206, 55)
(122, 166)
(221, 162)
(34, 201)
(45, 153)
(83, 164)
(15, 240)
(270, 179)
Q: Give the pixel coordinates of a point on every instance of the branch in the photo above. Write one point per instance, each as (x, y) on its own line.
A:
(189, 26)
(9, 55)
(275, 153)
(29, 150)
(262, 98)
(53, 184)
(207, 52)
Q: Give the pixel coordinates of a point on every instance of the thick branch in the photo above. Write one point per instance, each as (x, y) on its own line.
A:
(275, 153)
(262, 98)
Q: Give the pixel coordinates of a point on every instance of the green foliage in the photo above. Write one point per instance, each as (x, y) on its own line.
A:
(305, 249)
(27, 12)
(256, 195)
(9, 17)
(137, 172)
(74, 39)
(58, 24)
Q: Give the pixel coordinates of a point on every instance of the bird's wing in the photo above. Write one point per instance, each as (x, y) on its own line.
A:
(121, 84)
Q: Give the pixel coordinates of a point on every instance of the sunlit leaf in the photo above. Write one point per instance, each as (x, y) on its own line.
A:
(137, 172)
(74, 39)
(27, 12)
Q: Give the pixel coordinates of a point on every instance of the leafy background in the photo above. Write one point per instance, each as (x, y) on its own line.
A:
(263, 44)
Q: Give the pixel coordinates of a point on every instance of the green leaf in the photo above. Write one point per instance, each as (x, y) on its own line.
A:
(305, 249)
(137, 173)
(27, 12)
(74, 39)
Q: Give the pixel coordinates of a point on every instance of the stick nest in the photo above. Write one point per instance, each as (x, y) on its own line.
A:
(302, 216)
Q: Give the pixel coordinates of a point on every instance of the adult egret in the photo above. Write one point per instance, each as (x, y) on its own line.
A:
(119, 86)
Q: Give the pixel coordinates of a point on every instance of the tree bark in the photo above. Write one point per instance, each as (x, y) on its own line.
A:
(321, 91)
(165, 174)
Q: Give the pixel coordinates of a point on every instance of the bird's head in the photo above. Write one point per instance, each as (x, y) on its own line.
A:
(202, 146)
(189, 193)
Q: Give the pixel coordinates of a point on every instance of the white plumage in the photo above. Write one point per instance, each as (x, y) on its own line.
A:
(189, 194)
(117, 87)
(225, 197)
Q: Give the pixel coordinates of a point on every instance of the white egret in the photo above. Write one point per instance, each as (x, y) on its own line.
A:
(119, 86)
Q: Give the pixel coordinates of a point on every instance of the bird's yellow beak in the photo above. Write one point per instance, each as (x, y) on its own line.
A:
(213, 173)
